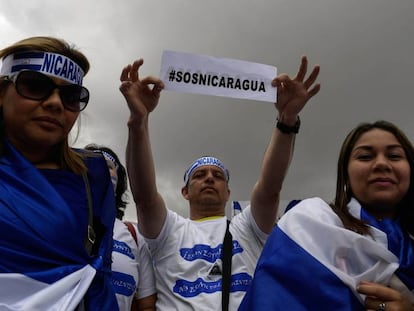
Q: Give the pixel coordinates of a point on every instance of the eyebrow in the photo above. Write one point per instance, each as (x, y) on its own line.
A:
(204, 169)
(369, 147)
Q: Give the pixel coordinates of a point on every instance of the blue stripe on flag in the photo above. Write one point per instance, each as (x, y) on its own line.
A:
(236, 206)
(23, 55)
(26, 67)
(295, 281)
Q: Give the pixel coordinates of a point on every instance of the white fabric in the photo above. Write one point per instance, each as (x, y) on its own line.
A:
(181, 234)
(33, 295)
(350, 256)
(136, 271)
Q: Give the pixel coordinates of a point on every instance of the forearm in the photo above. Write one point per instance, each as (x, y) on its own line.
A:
(266, 192)
(141, 171)
(144, 304)
(292, 96)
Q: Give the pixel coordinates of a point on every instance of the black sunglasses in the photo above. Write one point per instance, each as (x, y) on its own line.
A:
(38, 86)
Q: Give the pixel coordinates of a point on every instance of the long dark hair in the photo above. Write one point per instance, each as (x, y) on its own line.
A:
(344, 193)
(122, 184)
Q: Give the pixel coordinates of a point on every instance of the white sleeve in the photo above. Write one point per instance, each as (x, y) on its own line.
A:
(244, 226)
(146, 282)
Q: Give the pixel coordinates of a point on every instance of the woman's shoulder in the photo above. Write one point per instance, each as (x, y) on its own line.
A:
(314, 208)
(315, 200)
(309, 202)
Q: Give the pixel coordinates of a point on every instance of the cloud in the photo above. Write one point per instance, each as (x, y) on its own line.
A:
(364, 49)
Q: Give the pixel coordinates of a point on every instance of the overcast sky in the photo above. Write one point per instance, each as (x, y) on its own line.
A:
(365, 49)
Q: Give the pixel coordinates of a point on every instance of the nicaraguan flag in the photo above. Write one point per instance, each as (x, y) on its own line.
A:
(310, 262)
(239, 206)
(43, 262)
(20, 292)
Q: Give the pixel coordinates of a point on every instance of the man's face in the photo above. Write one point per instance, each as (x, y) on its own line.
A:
(207, 186)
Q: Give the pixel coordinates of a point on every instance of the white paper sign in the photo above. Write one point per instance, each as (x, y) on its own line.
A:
(202, 74)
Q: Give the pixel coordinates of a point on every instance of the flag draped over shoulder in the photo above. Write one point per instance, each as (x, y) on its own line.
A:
(43, 262)
(310, 262)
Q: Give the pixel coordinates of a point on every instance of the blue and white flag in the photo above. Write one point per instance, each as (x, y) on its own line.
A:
(311, 262)
(20, 292)
(43, 262)
(239, 206)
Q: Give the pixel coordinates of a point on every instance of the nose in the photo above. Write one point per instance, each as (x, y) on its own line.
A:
(54, 102)
(382, 163)
(209, 176)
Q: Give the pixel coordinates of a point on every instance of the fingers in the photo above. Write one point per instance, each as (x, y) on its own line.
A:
(373, 304)
(125, 73)
(284, 79)
(378, 290)
(312, 77)
(302, 69)
(281, 79)
(134, 73)
(131, 72)
(158, 85)
(381, 297)
(315, 90)
(153, 80)
(130, 75)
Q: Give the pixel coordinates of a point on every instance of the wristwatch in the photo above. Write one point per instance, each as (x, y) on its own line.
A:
(288, 129)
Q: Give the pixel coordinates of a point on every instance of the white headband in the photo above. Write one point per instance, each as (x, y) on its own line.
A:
(52, 64)
(107, 157)
(202, 162)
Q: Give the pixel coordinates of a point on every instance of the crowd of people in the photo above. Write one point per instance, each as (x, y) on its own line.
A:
(65, 245)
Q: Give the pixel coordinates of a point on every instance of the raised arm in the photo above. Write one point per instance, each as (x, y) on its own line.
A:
(142, 97)
(292, 95)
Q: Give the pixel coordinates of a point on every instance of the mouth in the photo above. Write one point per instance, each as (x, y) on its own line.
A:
(48, 121)
(383, 181)
(208, 189)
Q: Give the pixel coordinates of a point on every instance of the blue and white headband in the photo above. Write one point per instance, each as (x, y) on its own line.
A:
(108, 157)
(202, 162)
(52, 64)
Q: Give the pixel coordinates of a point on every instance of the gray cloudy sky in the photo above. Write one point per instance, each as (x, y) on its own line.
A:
(365, 49)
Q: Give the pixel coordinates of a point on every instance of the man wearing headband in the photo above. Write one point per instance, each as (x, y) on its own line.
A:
(56, 202)
(187, 253)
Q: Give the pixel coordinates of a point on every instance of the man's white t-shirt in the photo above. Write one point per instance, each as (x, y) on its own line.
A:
(188, 266)
(132, 270)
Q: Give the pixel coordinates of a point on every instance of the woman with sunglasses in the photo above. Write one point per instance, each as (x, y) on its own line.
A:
(56, 203)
